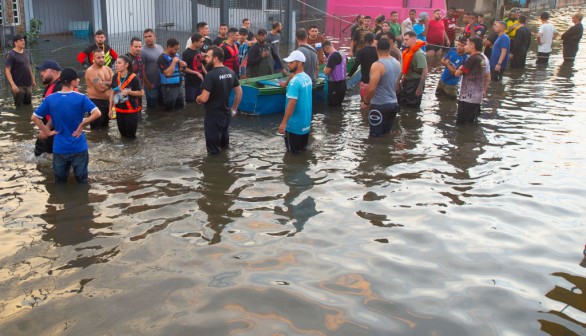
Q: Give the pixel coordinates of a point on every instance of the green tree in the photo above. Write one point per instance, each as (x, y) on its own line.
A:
(34, 31)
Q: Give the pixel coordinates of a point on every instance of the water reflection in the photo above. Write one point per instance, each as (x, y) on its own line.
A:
(216, 199)
(567, 321)
(467, 144)
(566, 71)
(410, 121)
(295, 175)
(70, 216)
(70, 221)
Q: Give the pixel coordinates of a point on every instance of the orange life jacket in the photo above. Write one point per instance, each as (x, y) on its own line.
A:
(128, 108)
(408, 55)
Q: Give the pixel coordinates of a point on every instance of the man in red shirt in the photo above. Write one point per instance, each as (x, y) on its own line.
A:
(436, 35)
(450, 23)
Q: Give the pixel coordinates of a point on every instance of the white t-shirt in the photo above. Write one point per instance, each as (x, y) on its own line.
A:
(487, 62)
(546, 32)
(406, 26)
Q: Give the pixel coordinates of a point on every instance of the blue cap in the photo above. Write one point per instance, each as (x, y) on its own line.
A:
(49, 64)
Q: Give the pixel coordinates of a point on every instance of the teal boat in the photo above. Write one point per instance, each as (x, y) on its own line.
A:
(264, 95)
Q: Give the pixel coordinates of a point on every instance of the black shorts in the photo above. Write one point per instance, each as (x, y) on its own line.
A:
(296, 143)
(380, 118)
(430, 47)
(104, 120)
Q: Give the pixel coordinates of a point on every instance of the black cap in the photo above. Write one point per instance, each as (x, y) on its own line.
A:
(49, 64)
(243, 31)
(68, 75)
(463, 40)
(261, 31)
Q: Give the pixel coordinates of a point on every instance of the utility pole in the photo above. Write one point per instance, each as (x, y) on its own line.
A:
(224, 11)
(289, 24)
(104, 15)
(194, 15)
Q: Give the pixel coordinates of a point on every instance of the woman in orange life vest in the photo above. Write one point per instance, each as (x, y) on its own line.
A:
(126, 90)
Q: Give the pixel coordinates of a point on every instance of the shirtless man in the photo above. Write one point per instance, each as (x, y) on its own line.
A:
(98, 79)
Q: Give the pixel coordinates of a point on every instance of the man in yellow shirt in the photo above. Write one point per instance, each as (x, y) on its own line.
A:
(512, 22)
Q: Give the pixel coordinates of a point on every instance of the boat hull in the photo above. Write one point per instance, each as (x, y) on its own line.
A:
(263, 95)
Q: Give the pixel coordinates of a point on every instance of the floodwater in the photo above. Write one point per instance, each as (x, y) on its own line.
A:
(435, 229)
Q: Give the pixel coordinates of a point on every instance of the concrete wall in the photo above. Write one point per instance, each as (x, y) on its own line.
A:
(8, 15)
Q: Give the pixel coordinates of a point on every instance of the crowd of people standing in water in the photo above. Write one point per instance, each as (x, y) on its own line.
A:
(392, 56)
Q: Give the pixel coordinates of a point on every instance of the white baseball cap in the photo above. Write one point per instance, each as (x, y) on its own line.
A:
(296, 55)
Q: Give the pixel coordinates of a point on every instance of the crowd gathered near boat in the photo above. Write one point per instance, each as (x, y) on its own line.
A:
(389, 55)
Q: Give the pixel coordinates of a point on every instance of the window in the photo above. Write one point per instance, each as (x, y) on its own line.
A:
(15, 12)
(1, 14)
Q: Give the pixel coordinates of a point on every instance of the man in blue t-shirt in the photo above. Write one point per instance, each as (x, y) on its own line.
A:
(448, 83)
(296, 123)
(67, 109)
(499, 57)
(421, 27)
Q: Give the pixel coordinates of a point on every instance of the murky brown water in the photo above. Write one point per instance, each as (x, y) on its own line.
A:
(433, 230)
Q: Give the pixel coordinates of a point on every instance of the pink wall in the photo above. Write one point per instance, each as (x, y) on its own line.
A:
(376, 7)
(349, 9)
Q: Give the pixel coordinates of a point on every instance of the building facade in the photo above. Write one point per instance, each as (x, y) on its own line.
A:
(12, 13)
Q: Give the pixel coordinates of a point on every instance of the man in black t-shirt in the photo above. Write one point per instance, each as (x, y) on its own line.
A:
(489, 42)
(246, 24)
(204, 30)
(216, 88)
(221, 36)
(358, 42)
(474, 82)
(19, 72)
(195, 71)
(359, 21)
(365, 57)
(335, 69)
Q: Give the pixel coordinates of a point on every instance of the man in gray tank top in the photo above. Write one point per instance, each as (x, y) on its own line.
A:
(381, 96)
